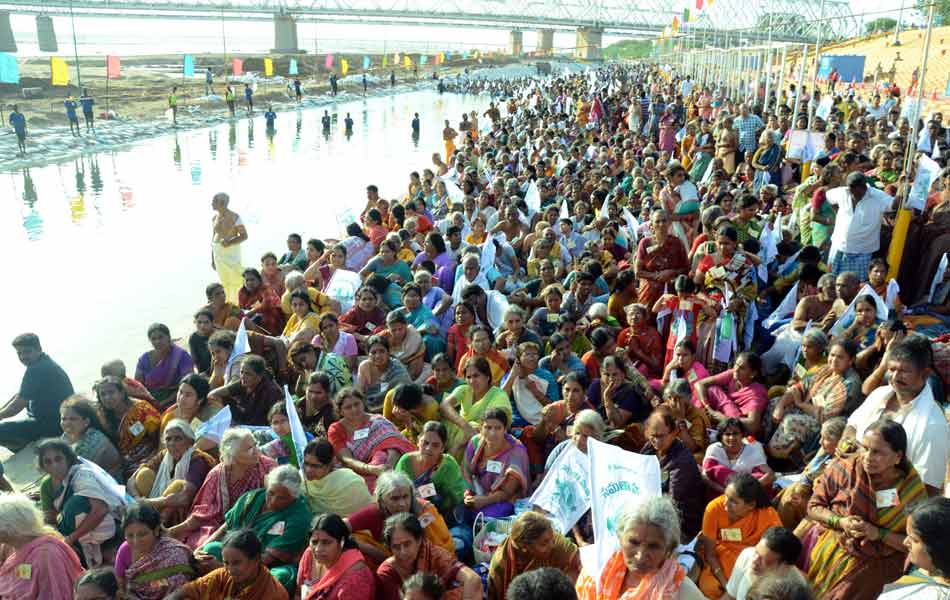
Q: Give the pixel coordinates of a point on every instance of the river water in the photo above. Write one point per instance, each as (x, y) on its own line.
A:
(99, 247)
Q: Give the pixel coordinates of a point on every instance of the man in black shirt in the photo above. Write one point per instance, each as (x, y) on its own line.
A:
(44, 387)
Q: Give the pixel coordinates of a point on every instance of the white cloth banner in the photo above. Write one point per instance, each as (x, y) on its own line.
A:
(533, 198)
(927, 172)
(215, 427)
(114, 492)
(296, 429)
(565, 490)
(617, 479)
(241, 346)
(454, 192)
(785, 309)
(342, 287)
(938, 277)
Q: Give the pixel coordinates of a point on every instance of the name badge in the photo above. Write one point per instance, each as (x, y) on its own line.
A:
(731, 534)
(137, 428)
(370, 326)
(361, 434)
(887, 498)
(427, 490)
(570, 245)
(553, 317)
(686, 305)
(277, 528)
(24, 571)
(426, 520)
(493, 466)
(304, 590)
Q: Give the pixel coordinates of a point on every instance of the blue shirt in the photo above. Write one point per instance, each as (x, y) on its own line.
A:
(18, 121)
(86, 105)
(70, 109)
(248, 93)
(270, 116)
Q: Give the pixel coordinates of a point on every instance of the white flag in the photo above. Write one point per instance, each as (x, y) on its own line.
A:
(241, 346)
(214, 428)
(114, 491)
(938, 277)
(634, 226)
(454, 192)
(890, 296)
(565, 490)
(564, 213)
(785, 309)
(682, 328)
(617, 479)
(533, 198)
(296, 429)
(342, 287)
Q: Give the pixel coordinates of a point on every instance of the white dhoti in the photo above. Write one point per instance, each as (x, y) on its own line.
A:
(227, 262)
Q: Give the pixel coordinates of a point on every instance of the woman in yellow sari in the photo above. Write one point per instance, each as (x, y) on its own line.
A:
(463, 409)
(448, 136)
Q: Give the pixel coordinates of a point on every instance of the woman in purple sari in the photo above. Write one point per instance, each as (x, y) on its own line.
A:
(162, 369)
(496, 468)
(444, 263)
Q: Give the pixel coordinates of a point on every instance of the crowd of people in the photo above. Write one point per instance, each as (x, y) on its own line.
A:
(620, 255)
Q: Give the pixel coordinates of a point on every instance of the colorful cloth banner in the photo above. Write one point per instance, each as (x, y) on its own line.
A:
(365, 63)
(268, 67)
(328, 63)
(565, 490)
(344, 66)
(406, 61)
(59, 72)
(423, 60)
(9, 69)
(292, 69)
(385, 60)
(237, 66)
(188, 67)
(113, 67)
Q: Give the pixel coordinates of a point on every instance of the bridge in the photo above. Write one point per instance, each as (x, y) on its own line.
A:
(789, 20)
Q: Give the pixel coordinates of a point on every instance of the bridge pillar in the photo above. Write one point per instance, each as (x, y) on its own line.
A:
(588, 43)
(545, 42)
(517, 45)
(45, 34)
(7, 41)
(285, 34)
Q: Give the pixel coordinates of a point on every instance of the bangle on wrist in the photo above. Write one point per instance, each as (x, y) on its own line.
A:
(834, 522)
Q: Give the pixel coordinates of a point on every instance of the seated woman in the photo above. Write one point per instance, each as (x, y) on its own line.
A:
(223, 369)
(732, 522)
(858, 516)
(828, 393)
(245, 577)
(150, 565)
(260, 303)
(435, 474)
(680, 476)
(412, 553)
(37, 564)
(162, 368)
(481, 345)
(380, 372)
(168, 481)
(632, 571)
(734, 452)
(436, 299)
(366, 443)
(496, 468)
(332, 567)
(83, 430)
(242, 468)
(278, 516)
(409, 407)
(619, 402)
(459, 333)
(335, 340)
(362, 320)
(604, 344)
(316, 407)
(226, 315)
(556, 420)
(329, 488)
(736, 393)
(467, 405)
(303, 324)
(530, 387)
(307, 358)
(76, 500)
(692, 424)
(515, 331)
(532, 544)
(443, 380)
(863, 329)
(561, 360)
(191, 405)
(387, 264)
(134, 423)
(282, 448)
(406, 344)
(395, 494)
(642, 343)
(683, 366)
(252, 395)
(423, 320)
(927, 541)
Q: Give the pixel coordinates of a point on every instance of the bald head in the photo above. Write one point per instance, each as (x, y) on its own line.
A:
(847, 285)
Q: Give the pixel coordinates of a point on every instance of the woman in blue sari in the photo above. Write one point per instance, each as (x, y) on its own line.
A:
(423, 320)
(767, 159)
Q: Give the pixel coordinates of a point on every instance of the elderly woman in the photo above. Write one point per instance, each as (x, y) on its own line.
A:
(659, 259)
(380, 372)
(191, 404)
(926, 544)
(642, 343)
(77, 500)
(679, 473)
(134, 423)
(242, 468)
(767, 161)
(859, 510)
(169, 480)
(307, 358)
(736, 393)
(38, 564)
(412, 553)
(734, 452)
(395, 494)
(328, 488)
(278, 516)
(496, 468)
(364, 442)
(825, 394)
(332, 567)
(162, 368)
(532, 544)
(252, 395)
(150, 565)
(406, 344)
(245, 576)
(435, 474)
(731, 523)
(84, 432)
(645, 565)
(468, 403)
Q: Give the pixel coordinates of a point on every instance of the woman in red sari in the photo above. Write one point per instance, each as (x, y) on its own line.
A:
(659, 260)
(642, 342)
(332, 567)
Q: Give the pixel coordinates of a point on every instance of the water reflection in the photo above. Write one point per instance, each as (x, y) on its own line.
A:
(95, 175)
(176, 154)
(213, 143)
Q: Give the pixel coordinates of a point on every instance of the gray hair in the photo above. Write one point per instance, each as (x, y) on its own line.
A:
(182, 426)
(20, 518)
(678, 387)
(816, 336)
(657, 512)
(471, 258)
(591, 418)
(287, 476)
(293, 280)
(230, 441)
(513, 309)
(823, 280)
(391, 481)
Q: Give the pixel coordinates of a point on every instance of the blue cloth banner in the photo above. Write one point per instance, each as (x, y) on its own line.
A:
(423, 59)
(365, 62)
(292, 69)
(9, 70)
(189, 66)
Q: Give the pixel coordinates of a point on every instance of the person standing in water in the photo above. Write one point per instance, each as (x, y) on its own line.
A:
(228, 232)
(86, 101)
(298, 89)
(18, 122)
(70, 105)
(365, 85)
(229, 98)
(326, 121)
(249, 98)
(348, 124)
(209, 79)
(173, 104)
(270, 116)
(392, 79)
(415, 125)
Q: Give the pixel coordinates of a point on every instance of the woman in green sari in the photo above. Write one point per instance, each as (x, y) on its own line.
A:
(279, 517)
(436, 475)
(387, 264)
(339, 491)
(463, 409)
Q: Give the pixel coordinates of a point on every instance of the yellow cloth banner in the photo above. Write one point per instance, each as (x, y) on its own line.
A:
(895, 254)
(385, 60)
(344, 66)
(406, 61)
(268, 67)
(59, 72)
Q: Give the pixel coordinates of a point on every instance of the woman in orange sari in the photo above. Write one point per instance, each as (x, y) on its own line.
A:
(645, 565)
(481, 344)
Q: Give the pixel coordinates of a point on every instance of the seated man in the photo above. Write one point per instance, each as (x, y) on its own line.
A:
(847, 285)
(776, 553)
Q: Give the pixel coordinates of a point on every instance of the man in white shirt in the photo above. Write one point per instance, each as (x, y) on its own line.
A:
(776, 553)
(857, 232)
(909, 401)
